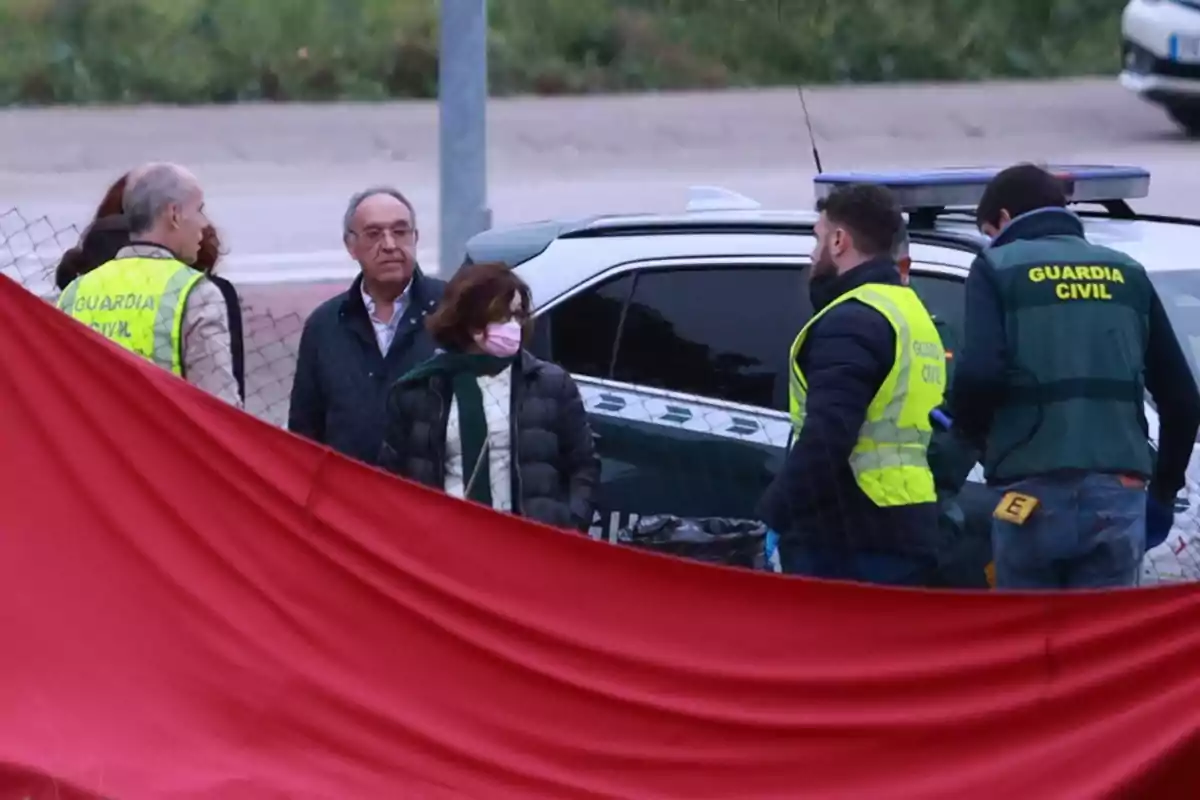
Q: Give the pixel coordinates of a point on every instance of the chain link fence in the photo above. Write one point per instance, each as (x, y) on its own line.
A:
(272, 316)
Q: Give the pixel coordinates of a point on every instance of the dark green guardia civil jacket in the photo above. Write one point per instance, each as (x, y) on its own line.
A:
(1062, 338)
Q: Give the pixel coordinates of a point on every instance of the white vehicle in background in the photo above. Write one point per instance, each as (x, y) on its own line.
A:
(1160, 48)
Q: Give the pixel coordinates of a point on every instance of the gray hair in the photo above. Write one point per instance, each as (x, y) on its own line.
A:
(360, 197)
(152, 192)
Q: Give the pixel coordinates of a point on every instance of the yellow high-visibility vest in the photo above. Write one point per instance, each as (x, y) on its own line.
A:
(137, 303)
(890, 460)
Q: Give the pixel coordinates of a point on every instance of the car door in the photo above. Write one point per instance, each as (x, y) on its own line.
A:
(942, 290)
(683, 368)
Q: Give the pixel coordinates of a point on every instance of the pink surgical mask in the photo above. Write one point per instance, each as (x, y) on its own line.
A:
(501, 339)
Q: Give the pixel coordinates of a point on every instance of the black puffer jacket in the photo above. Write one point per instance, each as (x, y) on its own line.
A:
(555, 468)
(339, 393)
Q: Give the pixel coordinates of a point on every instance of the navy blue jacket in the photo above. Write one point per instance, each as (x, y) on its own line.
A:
(339, 396)
(815, 501)
(981, 367)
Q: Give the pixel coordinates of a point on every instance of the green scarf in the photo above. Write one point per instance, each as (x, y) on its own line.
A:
(463, 370)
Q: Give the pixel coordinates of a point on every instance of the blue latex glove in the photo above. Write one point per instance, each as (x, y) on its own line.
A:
(770, 549)
(1160, 518)
(941, 419)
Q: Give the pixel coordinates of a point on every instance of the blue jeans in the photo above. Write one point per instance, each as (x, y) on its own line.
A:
(879, 568)
(1087, 532)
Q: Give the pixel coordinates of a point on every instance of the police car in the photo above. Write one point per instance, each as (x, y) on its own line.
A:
(1160, 45)
(677, 326)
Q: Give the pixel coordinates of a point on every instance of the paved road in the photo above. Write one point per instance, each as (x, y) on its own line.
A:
(279, 175)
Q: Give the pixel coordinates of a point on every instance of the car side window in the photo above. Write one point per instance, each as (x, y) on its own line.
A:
(583, 328)
(717, 332)
(945, 298)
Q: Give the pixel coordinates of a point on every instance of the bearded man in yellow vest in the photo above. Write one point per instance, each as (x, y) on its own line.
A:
(149, 299)
(855, 498)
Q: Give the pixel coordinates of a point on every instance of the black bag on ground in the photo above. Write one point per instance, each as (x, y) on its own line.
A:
(713, 540)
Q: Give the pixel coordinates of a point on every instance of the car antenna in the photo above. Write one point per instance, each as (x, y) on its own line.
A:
(808, 124)
(812, 139)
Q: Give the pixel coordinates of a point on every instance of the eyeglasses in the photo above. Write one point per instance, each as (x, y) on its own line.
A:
(376, 235)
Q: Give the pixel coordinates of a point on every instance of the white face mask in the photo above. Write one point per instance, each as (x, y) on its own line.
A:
(500, 339)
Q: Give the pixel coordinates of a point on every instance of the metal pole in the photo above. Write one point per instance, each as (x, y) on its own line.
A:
(462, 128)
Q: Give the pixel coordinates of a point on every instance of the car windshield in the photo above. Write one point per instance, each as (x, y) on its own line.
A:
(1180, 293)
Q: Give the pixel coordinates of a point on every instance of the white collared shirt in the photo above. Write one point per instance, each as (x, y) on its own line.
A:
(385, 332)
(497, 409)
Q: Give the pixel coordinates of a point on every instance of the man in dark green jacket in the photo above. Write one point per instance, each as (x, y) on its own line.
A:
(1063, 339)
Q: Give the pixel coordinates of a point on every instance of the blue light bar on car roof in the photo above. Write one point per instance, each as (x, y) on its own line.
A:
(962, 187)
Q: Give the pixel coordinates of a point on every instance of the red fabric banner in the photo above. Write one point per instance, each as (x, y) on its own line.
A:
(196, 605)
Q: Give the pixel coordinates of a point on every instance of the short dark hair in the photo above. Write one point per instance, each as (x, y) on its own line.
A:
(477, 295)
(869, 212)
(1018, 190)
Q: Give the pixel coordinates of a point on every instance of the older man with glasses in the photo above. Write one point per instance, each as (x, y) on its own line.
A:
(357, 344)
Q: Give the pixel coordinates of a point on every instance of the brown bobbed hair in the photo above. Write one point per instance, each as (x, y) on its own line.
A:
(477, 295)
(74, 262)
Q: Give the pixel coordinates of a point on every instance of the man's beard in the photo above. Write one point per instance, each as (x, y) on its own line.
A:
(823, 266)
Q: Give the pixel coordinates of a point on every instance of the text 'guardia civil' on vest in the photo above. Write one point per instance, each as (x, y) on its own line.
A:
(1078, 282)
(113, 330)
(113, 302)
(1051, 272)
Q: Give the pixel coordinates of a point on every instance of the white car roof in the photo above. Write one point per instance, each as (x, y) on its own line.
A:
(1158, 244)
(555, 256)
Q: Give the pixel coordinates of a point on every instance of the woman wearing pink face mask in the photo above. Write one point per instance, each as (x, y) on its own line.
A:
(486, 421)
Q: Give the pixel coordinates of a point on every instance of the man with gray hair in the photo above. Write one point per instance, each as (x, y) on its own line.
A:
(357, 344)
(149, 299)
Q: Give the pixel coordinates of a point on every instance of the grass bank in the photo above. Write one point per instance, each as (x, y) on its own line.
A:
(220, 51)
